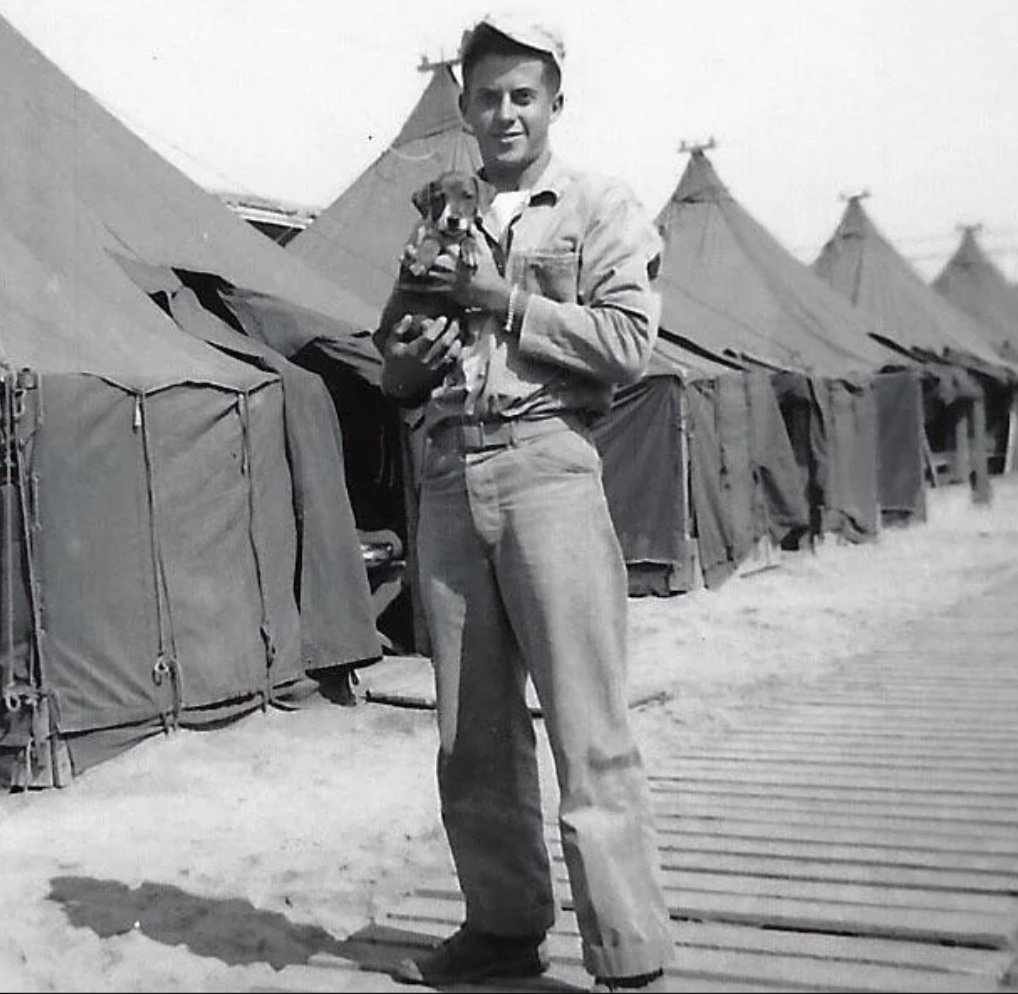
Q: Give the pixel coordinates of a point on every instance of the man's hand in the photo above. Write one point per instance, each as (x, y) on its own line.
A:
(484, 286)
(417, 354)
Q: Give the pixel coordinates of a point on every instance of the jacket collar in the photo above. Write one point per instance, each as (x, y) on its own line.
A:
(550, 185)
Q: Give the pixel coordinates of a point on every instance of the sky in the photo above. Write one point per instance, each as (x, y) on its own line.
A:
(914, 101)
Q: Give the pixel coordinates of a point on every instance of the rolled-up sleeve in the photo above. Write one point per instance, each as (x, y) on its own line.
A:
(609, 331)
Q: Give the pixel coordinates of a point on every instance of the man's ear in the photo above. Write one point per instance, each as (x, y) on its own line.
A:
(421, 198)
(556, 105)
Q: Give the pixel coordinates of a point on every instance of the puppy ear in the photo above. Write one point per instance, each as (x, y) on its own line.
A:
(421, 198)
(485, 194)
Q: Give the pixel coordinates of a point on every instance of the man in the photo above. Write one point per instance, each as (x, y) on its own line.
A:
(520, 568)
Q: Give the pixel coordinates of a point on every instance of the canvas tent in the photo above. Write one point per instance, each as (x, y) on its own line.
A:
(111, 236)
(731, 290)
(964, 379)
(148, 541)
(651, 460)
(974, 284)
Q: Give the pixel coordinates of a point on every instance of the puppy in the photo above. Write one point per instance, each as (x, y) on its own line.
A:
(450, 206)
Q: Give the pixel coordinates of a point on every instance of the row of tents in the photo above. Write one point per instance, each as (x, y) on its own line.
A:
(784, 401)
(194, 442)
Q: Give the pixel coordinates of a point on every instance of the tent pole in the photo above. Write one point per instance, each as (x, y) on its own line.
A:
(979, 475)
(962, 453)
(692, 558)
(1012, 430)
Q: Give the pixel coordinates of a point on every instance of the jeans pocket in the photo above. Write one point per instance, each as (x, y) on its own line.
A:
(565, 452)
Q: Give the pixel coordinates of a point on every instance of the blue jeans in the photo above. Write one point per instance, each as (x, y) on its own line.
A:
(521, 573)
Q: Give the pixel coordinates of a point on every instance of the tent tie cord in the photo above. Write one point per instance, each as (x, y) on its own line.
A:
(28, 494)
(7, 475)
(21, 500)
(14, 439)
(44, 756)
(166, 651)
(166, 667)
(265, 628)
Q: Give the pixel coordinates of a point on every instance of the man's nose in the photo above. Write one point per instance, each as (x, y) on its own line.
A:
(505, 110)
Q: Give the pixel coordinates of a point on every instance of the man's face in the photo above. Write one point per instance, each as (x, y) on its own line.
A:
(509, 106)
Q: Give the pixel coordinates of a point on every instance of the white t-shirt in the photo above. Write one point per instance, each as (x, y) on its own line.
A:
(484, 347)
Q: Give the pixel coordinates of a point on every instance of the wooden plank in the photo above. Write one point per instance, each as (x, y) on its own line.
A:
(933, 710)
(955, 831)
(849, 896)
(942, 788)
(764, 722)
(927, 925)
(677, 837)
(837, 835)
(875, 797)
(765, 715)
(908, 780)
(895, 679)
(933, 878)
(887, 855)
(991, 761)
(967, 619)
(846, 949)
(792, 973)
(809, 811)
(872, 740)
(992, 764)
(980, 727)
(868, 737)
(910, 688)
(932, 703)
(966, 630)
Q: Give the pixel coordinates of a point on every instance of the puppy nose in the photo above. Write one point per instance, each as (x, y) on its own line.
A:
(455, 222)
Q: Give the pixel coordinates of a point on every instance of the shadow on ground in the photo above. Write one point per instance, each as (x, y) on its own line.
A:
(237, 933)
(232, 930)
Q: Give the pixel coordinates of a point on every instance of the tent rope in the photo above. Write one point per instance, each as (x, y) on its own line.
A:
(265, 629)
(166, 665)
(11, 701)
(28, 495)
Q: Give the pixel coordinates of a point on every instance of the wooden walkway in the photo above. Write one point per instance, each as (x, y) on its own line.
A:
(860, 836)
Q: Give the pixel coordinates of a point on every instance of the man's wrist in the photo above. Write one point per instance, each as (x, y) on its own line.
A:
(516, 305)
(510, 309)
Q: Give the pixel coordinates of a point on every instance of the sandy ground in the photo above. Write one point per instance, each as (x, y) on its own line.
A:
(222, 861)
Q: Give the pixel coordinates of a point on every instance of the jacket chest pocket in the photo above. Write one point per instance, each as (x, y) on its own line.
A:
(551, 274)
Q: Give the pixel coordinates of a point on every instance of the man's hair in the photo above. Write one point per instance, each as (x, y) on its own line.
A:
(486, 41)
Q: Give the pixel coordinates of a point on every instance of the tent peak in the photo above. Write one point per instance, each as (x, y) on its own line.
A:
(437, 110)
(855, 222)
(854, 196)
(969, 252)
(433, 65)
(697, 148)
(699, 181)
